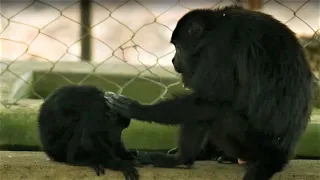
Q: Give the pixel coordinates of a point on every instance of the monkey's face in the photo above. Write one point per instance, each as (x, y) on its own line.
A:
(187, 39)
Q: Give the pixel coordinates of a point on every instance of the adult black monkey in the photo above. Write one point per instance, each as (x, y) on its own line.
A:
(77, 127)
(250, 81)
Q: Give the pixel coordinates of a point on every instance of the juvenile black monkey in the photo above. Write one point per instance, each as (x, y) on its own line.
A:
(250, 80)
(77, 127)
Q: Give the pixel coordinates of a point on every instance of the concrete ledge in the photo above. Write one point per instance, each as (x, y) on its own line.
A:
(35, 165)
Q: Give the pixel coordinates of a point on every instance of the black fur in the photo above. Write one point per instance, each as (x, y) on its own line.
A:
(250, 81)
(77, 127)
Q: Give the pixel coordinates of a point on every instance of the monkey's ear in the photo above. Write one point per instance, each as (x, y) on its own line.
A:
(195, 29)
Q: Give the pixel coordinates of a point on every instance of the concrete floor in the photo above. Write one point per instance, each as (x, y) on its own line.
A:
(36, 166)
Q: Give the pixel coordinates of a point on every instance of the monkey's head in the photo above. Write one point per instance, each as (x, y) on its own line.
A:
(192, 39)
(187, 38)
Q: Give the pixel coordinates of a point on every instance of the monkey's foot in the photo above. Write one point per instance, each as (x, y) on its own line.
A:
(161, 160)
(136, 163)
(241, 161)
(225, 160)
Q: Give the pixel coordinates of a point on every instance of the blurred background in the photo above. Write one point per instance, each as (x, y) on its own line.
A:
(121, 46)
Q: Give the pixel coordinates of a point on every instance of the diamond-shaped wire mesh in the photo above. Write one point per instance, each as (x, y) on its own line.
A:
(127, 37)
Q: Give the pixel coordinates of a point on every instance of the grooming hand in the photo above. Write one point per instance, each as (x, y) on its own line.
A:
(121, 104)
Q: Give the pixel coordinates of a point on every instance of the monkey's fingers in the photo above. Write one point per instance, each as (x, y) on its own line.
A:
(111, 99)
(109, 93)
(119, 99)
(99, 169)
(131, 173)
(112, 96)
(123, 102)
(119, 104)
(115, 106)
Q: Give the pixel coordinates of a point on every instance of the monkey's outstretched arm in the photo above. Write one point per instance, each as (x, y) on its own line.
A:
(213, 83)
(173, 111)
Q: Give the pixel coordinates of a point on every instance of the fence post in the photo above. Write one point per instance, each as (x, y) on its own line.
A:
(255, 4)
(85, 8)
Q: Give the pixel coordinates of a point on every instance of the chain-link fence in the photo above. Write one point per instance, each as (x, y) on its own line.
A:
(99, 38)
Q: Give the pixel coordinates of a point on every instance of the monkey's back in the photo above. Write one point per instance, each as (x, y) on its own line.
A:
(276, 75)
(60, 115)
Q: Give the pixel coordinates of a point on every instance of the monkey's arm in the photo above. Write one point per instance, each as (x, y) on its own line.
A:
(213, 83)
(214, 91)
(173, 111)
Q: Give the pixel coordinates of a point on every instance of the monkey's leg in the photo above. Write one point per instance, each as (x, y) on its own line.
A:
(192, 138)
(91, 134)
(266, 168)
(228, 135)
(269, 161)
(124, 154)
(238, 139)
(114, 162)
(103, 156)
(73, 147)
(78, 141)
(97, 154)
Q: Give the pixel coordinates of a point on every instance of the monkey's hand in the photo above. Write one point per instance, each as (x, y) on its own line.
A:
(130, 155)
(122, 104)
(134, 153)
(158, 159)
